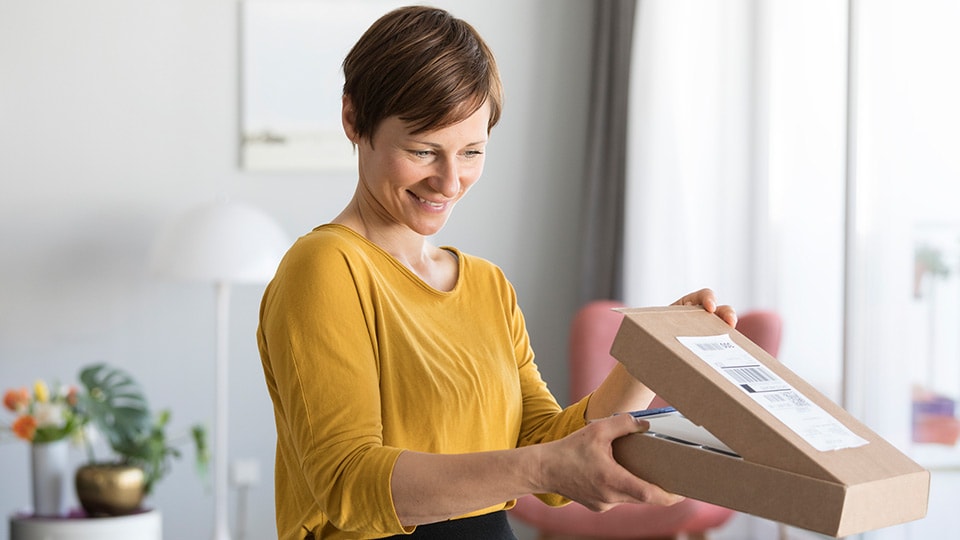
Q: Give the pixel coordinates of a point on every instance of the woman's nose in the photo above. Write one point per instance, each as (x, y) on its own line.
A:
(447, 178)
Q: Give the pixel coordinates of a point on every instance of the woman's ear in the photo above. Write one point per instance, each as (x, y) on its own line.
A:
(348, 116)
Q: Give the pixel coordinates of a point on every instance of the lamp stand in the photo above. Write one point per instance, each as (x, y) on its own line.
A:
(221, 529)
(220, 243)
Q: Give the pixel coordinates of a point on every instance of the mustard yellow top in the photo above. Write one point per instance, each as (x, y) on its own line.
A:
(363, 359)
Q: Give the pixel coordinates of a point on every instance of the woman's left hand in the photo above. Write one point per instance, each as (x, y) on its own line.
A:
(706, 298)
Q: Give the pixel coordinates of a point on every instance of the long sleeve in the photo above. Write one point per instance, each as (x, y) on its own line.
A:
(363, 360)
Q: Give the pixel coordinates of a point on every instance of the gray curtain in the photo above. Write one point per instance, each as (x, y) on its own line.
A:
(605, 178)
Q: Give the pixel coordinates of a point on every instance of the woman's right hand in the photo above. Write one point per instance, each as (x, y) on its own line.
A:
(581, 467)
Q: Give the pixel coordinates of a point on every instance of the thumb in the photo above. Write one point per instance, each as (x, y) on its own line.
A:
(625, 423)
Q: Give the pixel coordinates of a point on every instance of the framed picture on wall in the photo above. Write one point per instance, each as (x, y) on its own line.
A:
(291, 81)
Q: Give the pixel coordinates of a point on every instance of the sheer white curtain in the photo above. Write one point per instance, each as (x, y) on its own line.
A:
(688, 222)
(738, 177)
(906, 311)
(736, 165)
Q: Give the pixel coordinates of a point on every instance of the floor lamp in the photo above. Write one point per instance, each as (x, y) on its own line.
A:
(221, 243)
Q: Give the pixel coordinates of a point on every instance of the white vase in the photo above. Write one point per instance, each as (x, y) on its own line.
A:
(50, 471)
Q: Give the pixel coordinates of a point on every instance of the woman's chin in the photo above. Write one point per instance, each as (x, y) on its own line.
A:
(430, 227)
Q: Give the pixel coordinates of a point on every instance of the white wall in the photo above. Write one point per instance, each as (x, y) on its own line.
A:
(115, 116)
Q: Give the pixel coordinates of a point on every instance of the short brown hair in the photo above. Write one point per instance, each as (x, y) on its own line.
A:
(424, 66)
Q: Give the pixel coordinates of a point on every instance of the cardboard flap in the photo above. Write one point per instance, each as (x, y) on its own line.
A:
(648, 347)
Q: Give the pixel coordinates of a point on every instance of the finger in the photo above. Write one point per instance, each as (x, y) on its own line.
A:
(620, 424)
(728, 314)
(636, 425)
(654, 494)
(641, 491)
(686, 300)
(703, 297)
(626, 423)
(707, 299)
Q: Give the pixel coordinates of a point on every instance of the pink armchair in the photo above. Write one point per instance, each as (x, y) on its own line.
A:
(591, 335)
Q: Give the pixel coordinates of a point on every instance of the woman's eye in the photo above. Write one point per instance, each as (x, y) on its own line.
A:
(422, 153)
(473, 153)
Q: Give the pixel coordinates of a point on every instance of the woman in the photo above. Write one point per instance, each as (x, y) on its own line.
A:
(404, 387)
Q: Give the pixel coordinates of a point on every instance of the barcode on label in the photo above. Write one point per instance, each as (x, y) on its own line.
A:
(746, 375)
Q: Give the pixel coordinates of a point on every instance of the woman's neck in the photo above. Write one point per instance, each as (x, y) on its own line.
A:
(436, 267)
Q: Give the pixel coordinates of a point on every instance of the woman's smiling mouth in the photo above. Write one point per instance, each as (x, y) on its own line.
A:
(430, 204)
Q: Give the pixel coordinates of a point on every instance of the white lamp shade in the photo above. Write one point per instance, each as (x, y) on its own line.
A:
(221, 242)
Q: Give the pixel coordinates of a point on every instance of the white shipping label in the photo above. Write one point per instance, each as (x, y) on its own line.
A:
(804, 417)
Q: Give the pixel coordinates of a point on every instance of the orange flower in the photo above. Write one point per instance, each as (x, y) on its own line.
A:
(17, 399)
(72, 396)
(25, 427)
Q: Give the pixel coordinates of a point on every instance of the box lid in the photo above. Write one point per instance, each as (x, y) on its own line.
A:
(648, 347)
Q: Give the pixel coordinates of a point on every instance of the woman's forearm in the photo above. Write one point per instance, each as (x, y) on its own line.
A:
(434, 487)
(427, 488)
(619, 392)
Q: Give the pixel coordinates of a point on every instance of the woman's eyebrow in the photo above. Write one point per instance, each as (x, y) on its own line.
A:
(439, 146)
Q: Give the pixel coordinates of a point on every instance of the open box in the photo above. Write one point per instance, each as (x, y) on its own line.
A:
(803, 460)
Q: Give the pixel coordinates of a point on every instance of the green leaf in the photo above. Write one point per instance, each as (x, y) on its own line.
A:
(115, 403)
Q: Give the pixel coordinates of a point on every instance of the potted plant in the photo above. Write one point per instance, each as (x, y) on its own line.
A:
(116, 407)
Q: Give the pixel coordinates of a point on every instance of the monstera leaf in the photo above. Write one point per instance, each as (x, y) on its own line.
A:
(115, 404)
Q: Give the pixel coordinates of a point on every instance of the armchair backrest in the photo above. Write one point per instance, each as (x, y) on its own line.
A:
(595, 326)
(591, 335)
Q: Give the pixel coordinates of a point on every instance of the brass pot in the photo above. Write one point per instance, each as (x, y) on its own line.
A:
(111, 489)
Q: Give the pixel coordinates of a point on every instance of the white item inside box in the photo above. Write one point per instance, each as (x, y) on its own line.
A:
(668, 423)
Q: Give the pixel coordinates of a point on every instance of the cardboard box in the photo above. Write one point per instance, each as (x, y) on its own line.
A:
(863, 484)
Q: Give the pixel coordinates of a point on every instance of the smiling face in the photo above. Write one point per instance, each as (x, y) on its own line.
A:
(411, 181)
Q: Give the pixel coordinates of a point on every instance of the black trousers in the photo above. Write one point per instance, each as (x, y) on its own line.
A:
(486, 527)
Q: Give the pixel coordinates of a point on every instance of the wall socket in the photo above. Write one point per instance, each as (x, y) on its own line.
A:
(245, 472)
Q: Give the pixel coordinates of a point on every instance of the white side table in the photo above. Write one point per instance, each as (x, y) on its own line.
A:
(143, 526)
